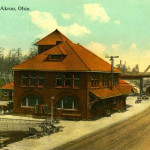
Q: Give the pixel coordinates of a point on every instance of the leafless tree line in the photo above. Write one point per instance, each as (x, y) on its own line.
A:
(14, 57)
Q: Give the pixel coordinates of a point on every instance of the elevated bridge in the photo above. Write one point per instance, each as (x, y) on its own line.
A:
(139, 76)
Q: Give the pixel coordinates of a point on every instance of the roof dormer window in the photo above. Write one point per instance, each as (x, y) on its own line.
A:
(55, 57)
(58, 42)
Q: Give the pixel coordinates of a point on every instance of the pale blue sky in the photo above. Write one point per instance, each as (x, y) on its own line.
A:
(106, 27)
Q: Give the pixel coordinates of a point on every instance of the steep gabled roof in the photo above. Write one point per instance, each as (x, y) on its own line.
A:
(52, 38)
(8, 86)
(77, 58)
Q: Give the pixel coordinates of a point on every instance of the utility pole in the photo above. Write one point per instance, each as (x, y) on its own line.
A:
(112, 66)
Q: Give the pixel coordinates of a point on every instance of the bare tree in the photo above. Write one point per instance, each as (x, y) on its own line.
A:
(1, 60)
(33, 50)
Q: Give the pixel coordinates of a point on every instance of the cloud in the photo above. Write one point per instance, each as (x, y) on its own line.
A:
(47, 22)
(75, 29)
(117, 22)
(133, 46)
(96, 12)
(115, 47)
(66, 16)
(97, 48)
(43, 20)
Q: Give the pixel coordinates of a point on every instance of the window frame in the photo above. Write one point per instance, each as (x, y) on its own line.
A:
(58, 78)
(76, 79)
(95, 80)
(5, 92)
(64, 79)
(62, 104)
(25, 77)
(33, 78)
(37, 101)
(55, 57)
(41, 76)
(29, 78)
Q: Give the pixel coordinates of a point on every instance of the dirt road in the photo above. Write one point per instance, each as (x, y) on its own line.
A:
(133, 134)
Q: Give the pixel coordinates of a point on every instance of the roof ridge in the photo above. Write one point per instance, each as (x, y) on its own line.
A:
(60, 49)
(60, 33)
(96, 56)
(78, 56)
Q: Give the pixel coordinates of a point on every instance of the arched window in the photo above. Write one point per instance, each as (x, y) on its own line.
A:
(67, 102)
(30, 101)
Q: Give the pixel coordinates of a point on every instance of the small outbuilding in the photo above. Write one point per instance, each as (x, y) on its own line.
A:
(7, 92)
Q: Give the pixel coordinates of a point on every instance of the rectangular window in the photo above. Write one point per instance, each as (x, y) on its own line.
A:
(92, 80)
(114, 102)
(76, 79)
(41, 78)
(5, 92)
(68, 79)
(55, 57)
(59, 79)
(106, 80)
(25, 79)
(95, 80)
(33, 78)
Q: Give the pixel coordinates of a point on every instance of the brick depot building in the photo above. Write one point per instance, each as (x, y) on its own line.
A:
(73, 78)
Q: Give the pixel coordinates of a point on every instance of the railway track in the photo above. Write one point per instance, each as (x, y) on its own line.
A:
(124, 136)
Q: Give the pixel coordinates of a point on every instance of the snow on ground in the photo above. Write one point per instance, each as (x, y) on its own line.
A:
(77, 129)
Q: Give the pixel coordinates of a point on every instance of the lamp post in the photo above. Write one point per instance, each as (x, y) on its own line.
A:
(52, 99)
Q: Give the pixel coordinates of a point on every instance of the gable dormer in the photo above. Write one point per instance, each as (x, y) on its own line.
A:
(50, 41)
(57, 53)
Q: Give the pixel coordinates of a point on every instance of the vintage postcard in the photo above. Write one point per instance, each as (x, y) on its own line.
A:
(74, 75)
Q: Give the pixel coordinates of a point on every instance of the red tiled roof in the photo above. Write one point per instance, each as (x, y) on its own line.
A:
(8, 86)
(106, 92)
(123, 88)
(78, 59)
(92, 61)
(52, 38)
